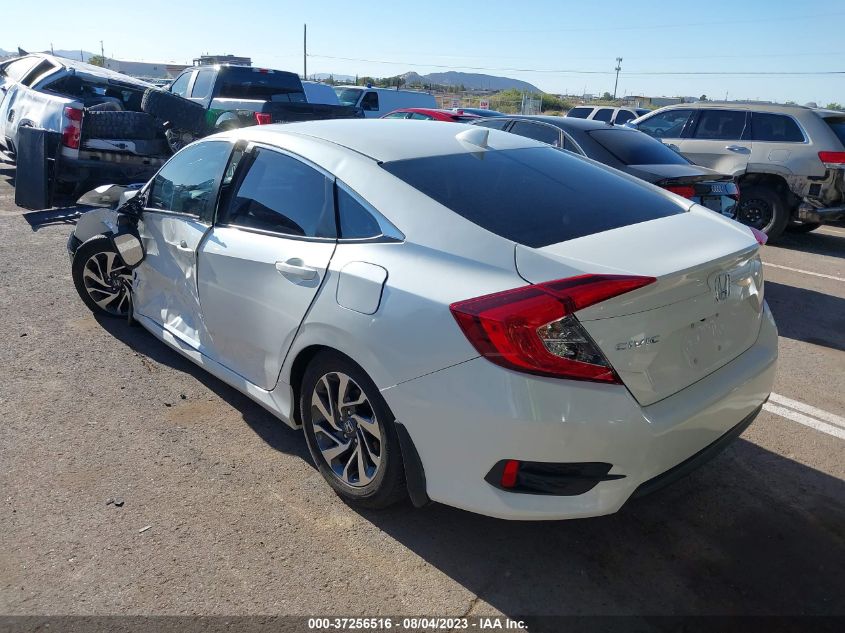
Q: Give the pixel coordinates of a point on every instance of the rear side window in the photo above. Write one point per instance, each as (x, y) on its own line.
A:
(284, 195)
(579, 113)
(356, 222)
(635, 148)
(838, 127)
(603, 114)
(537, 131)
(722, 125)
(36, 73)
(370, 102)
(567, 196)
(187, 183)
(202, 85)
(775, 127)
(623, 116)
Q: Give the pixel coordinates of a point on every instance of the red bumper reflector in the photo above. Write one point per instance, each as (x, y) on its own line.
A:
(509, 473)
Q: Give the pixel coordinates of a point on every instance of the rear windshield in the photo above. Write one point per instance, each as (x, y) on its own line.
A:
(838, 127)
(253, 83)
(534, 196)
(636, 148)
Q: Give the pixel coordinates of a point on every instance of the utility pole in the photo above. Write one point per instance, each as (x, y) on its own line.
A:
(51, 49)
(618, 68)
(102, 52)
(305, 51)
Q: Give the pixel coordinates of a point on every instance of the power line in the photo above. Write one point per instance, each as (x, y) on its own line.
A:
(738, 73)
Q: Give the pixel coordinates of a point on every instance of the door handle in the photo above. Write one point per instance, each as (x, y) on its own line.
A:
(295, 268)
(736, 148)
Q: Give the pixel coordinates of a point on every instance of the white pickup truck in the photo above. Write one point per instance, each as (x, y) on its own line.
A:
(105, 137)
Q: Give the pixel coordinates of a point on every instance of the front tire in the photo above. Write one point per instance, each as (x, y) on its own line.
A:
(350, 432)
(101, 278)
(764, 209)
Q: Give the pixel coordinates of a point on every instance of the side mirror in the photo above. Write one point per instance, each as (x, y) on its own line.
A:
(130, 249)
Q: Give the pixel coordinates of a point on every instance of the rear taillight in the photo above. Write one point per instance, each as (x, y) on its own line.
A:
(263, 118)
(533, 329)
(72, 132)
(832, 159)
(687, 191)
(761, 237)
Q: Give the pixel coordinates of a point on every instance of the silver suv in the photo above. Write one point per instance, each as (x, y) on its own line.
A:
(608, 114)
(789, 161)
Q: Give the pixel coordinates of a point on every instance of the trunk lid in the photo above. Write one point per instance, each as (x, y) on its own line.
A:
(704, 310)
(680, 174)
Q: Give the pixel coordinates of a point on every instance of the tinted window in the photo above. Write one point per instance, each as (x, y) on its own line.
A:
(355, 221)
(668, 124)
(723, 125)
(495, 124)
(567, 197)
(36, 73)
(202, 84)
(579, 113)
(284, 195)
(537, 131)
(17, 69)
(774, 127)
(634, 148)
(570, 146)
(838, 127)
(642, 111)
(370, 101)
(604, 114)
(180, 86)
(623, 116)
(186, 184)
(420, 117)
(260, 84)
(396, 115)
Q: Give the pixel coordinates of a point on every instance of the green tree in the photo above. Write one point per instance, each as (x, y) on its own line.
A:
(97, 60)
(835, 106)
(607, 96)
(703, 98)
(364, 81)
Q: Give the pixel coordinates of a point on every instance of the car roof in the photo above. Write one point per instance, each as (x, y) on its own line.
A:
(91, 70)
(564, 123)
(385, 140)
(740, 105)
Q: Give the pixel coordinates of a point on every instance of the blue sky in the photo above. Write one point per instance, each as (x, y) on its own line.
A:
(514, 39)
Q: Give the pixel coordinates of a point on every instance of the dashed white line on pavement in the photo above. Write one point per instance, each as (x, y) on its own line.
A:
(797, 412)
(804, 272)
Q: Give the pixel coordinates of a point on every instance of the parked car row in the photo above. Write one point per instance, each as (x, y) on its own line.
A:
(451, 312)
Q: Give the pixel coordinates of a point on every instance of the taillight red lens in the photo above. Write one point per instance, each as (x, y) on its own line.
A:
(72, 132)
(832, 158)
(761, 237)
(509, 473)
(533, 329)
(687, 191)
(263, 118)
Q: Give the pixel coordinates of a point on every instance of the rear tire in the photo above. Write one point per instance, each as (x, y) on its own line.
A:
(350, 432)
(796, 226)
(764, 209)
(119, 125)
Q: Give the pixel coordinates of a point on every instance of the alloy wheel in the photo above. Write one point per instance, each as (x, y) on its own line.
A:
(346, 429)
(106, 281)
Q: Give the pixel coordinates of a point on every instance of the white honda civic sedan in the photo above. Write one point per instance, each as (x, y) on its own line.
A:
(451, 313)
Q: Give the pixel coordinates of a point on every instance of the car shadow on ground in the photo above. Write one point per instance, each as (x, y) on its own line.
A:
(751, 532)
(813, 243)
(791, 307)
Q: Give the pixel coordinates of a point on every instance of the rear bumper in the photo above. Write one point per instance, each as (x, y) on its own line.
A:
(809, 213)
(465, 419)
(120, 169)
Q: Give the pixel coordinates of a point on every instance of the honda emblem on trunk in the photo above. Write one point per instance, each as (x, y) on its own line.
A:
(722, 286)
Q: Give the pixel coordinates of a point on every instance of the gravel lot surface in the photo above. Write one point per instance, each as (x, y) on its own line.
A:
(241, 523)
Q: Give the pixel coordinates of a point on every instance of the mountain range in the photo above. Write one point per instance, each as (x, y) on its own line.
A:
(470, 81)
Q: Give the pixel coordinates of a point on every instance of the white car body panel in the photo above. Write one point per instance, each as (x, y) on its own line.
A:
(385, 304)
(390, 100)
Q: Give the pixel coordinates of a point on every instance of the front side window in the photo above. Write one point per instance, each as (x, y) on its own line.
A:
(568, 197)
(396, 115)
(603, 114)
(668, 124)
(778, 128)
(284, 195)
(721, 125)
(180, 86)
(537, 131)
(188, 182)
(420, 117)
(370, 102)
(348, 96)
